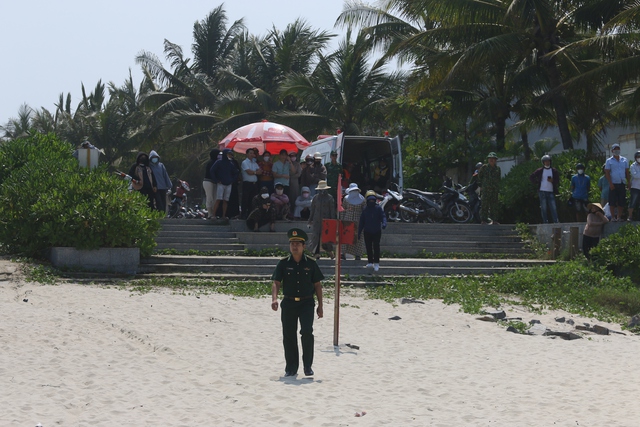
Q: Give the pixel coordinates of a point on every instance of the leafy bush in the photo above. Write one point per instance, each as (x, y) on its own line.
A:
(47, 200)
(620, 252)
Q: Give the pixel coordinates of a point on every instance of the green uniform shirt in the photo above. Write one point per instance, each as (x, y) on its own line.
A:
(297, 278)
(332, 173)
(489, 178)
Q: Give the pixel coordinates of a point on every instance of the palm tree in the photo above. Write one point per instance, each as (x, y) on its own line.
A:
(345, 90)
(18, 127)
(471, 35)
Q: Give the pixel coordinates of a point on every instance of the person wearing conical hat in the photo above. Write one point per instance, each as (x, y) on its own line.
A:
(596, 219)
(300, 279)
(322, 207)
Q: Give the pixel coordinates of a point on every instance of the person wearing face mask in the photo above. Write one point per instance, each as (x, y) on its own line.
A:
(616, 169)
(163, 181)
(547, 181)
(372, 222)
(634, 185)
(143, 179)
(280, 201)
(353, 204)
(580, 187)
(266, 178)
(263, 212)
(303, 204)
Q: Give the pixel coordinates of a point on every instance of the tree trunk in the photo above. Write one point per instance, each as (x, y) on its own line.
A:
(558, 104)
(525, 144)
(500, 126)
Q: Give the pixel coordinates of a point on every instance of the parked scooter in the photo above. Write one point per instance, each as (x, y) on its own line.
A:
(390, 203)
(474, 202)
(179, 200)
(426, 206)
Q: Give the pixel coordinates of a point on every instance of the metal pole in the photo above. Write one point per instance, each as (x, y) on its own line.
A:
(336, 309)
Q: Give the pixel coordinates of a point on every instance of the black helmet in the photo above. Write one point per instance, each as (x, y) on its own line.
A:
(545, 157)
(635, 156)
(479, 165)
(579, 166)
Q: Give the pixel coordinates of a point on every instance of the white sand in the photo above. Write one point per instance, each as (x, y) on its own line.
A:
(79, 355)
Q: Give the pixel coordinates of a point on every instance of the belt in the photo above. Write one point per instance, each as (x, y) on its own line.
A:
(298, 298)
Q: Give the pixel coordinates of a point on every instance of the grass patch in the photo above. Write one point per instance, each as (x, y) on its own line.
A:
(572, 286)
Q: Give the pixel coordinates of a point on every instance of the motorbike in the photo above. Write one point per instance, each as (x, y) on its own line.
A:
(179, 200)
(426, 206)
(474, 202)
(390, 203)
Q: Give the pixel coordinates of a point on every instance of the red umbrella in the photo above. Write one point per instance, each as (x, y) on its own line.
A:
(265, 136)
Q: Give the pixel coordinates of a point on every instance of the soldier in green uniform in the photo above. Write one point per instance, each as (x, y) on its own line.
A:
(299, 276)
(489, 179)
(334, 169)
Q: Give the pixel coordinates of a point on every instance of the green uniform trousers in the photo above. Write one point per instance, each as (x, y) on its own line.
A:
(489, 206)
(290, 313)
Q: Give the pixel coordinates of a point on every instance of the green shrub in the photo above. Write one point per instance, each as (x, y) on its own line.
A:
(46, 200)
(620, 252)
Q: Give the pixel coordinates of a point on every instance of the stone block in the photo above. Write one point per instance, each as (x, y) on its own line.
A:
(106, 260)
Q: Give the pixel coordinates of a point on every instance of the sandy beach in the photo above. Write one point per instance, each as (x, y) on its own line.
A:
(88, 355)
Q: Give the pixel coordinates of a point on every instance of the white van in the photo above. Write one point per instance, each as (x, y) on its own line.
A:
(364, 153)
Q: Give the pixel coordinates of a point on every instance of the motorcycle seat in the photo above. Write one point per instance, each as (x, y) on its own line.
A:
(424, 193)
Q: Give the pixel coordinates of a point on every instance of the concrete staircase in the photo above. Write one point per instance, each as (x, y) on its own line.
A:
(398, 238)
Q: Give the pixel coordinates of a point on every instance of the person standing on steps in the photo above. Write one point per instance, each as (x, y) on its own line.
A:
(353, 204)
(489, 176)
(372, 222)
(300, 279)
(163, 181)
(634, 185)
(322, 207)
(547, 181)
(224, 173)
(209, 185)
(616, 169)
(250, 172)
(580, 187)
(334, 170)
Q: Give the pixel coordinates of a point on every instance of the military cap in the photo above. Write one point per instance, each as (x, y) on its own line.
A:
(297, 235)
(492, 154)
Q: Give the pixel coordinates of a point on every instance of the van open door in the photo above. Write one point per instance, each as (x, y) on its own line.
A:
(339, 141)
(396, 155)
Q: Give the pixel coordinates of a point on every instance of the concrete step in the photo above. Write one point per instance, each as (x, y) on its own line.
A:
(324, 262)
(186, 246)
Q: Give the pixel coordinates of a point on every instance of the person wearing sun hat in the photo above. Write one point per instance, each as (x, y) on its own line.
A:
(322, 207)
(300, 279)
(596, 219)
(489, 177)
(353, 204)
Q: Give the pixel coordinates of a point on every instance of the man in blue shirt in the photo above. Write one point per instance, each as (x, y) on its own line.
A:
(580, 186)
(616, 169)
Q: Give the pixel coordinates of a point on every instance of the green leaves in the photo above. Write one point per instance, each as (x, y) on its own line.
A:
(46, 200)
